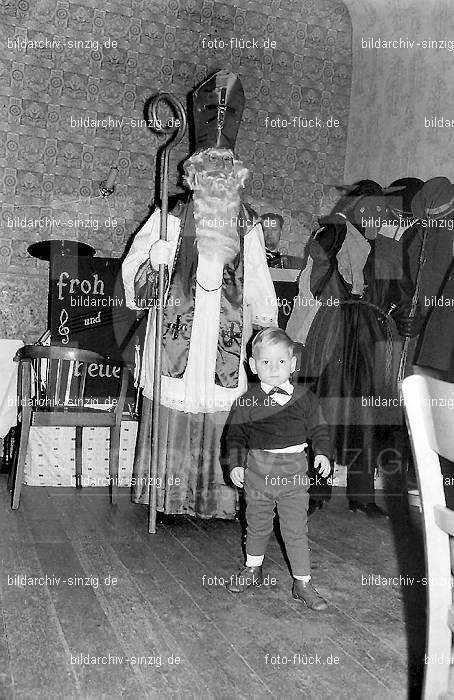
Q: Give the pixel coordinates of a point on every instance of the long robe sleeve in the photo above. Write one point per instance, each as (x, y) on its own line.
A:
(259, 292)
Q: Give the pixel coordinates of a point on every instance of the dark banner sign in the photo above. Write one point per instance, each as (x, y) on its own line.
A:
(88, 311)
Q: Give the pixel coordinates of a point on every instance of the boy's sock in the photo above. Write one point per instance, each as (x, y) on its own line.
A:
(305, 579)
(254, 560)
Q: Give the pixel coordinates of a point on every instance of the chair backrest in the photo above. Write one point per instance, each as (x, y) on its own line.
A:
(429, 408)
(55, 378)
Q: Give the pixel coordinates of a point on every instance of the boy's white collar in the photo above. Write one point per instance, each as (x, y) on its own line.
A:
(286, 386)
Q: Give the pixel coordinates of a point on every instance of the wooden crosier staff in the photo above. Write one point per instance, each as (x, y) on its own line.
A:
(178, 131)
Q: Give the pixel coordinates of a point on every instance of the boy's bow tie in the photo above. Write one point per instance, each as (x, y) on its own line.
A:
(278, 390)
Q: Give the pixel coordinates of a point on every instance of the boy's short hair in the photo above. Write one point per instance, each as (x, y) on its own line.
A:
(272, 336)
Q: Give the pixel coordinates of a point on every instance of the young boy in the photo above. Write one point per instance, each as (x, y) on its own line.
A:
(265, 439)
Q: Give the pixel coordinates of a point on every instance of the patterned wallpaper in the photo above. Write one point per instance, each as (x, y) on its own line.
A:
(397, 92)
(61, 62)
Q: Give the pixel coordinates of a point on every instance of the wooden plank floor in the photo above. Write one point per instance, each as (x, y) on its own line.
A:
(124, 614)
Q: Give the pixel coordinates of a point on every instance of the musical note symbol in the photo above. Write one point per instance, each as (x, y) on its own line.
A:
(62, 329)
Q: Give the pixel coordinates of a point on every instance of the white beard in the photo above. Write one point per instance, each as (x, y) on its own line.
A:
(216, 210)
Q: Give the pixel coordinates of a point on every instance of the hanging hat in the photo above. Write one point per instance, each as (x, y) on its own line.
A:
(399, 201)
(362, 188)
(217, 107)
(353, 194)
(367, 188)
(434, 200)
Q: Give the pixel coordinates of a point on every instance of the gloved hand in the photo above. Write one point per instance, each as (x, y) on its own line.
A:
(160, 253)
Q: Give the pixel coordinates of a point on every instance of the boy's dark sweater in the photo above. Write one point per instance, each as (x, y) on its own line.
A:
(256, 422)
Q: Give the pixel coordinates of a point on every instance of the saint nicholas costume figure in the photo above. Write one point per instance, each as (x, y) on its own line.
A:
(218, 288)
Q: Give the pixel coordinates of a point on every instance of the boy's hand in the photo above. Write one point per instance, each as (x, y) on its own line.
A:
(237, 476)
(322, 465)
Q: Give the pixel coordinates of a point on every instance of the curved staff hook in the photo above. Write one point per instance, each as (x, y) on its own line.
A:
(178, 132)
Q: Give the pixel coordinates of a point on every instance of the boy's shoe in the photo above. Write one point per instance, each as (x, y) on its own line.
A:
(307, 593)
(244, 579)
(370, 509)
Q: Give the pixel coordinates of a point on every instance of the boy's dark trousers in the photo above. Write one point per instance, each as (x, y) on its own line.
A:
(278, 479)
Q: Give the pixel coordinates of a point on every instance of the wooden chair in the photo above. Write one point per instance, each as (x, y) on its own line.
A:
(51, 390)
(429, 407)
